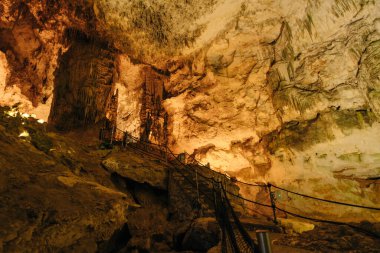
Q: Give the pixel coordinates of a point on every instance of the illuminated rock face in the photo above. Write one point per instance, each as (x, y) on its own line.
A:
(279, 91)
(289, 94)
(32, 39)
(140, 111)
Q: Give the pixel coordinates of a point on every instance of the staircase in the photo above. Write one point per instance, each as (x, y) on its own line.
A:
(186, 199)
(197, 191)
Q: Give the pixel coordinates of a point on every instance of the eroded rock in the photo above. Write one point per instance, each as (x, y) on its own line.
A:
(138, 170)
(44, 206)
(203, 234)
(291, 225)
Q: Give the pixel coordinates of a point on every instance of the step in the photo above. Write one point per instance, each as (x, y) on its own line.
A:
(252, 224)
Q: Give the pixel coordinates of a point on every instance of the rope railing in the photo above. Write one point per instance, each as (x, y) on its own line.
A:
(195, 161)
(175, 156)
(246, 242)
(252, 184)
(370, 233)
(169, 156)
(326, 200)
(280, 188)
(235, 236)
(248, 200)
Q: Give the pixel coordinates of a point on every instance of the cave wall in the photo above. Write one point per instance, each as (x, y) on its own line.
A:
(31, 58)
(280, 91)
(141, 90)
(153, 116)
(287, 93)
(83, 85)
(32, 37)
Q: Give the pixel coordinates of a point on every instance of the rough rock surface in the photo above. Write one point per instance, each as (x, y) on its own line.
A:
(291, 225)
(48, 202)
(203, 234)
(331, 238)
(287, 94)
(280, 91)
(150, 228)
(138, 169)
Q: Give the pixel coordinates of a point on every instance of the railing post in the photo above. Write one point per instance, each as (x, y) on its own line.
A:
(197, 183)
(198, 198)
(273, 202)
(214, 191)
(263, 240)
(112, 133)
(166, 153)
(221, 187)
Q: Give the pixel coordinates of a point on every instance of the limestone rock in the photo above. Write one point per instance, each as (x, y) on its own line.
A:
(215, 249)
(203, 234)
(286, 90)
(138, 170)
(45, 207)
(292, 225)
(288, 95)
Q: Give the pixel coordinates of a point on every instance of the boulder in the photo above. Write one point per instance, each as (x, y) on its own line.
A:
(44, 207)
(291, 225)
(129, 165)
(203, 234)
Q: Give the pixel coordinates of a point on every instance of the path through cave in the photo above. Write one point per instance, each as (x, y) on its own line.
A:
(281, 99)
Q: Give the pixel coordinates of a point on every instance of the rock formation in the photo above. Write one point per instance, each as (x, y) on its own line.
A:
(53, 198)
(269, 91)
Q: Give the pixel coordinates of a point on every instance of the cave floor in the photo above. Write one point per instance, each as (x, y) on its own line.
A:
(323, 238)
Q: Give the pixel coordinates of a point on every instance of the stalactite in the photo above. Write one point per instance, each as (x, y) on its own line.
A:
(152, 116)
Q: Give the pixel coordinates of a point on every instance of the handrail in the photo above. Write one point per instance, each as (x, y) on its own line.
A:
(195, 160)
(249, 184)
(326, 200)
(268, 185)
(247, 241)
(242, 231)
(330, 222)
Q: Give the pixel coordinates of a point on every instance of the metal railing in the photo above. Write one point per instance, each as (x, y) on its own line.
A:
(221, 199)
(235, 237)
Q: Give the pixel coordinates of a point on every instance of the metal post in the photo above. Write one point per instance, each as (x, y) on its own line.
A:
(225, 185)
(273, 202)
(196, 180)
(221, 188)
(214, 191)
(166, 153)
(198, 199)
(263, 240)
(112, 133)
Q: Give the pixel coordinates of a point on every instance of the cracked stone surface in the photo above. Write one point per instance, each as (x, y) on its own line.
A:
(288, 95)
